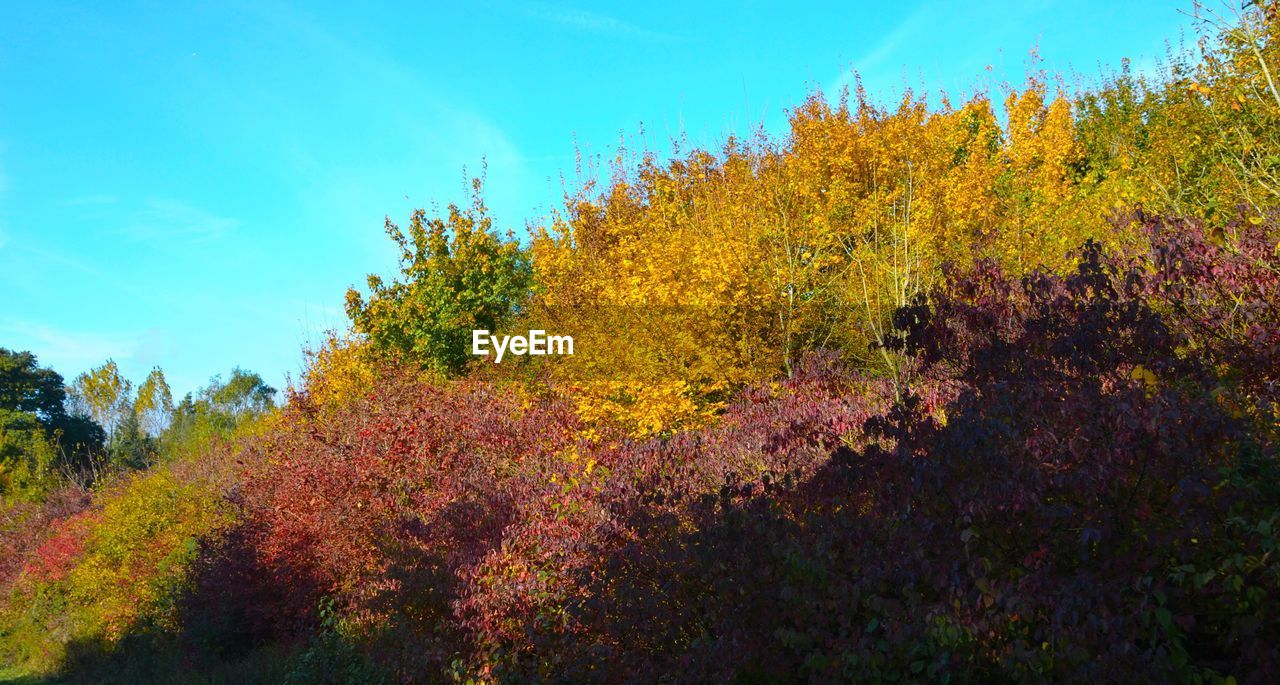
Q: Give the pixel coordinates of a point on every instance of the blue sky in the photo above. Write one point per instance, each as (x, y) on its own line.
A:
(194, 185)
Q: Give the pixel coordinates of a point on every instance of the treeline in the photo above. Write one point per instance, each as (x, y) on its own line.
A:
(91, 430)
(912, 394)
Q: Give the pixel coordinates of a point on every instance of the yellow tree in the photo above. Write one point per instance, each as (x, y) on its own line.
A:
(154, 403)
(103, 395)
(656, 280)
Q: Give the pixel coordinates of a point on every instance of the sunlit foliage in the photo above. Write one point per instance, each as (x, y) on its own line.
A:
(112, 570)
(340, 370)
(458, 275)
(939, 390)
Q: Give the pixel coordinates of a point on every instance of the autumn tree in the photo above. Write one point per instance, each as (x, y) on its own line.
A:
(154, 403)
(663, 281)
(104, 395)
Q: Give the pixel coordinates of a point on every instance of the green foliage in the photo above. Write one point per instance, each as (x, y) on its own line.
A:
(243, 394)
(26, 456)
(26, 387)
(215, 413)
(457, 275)
(334, 655)
(131, 447)
(132, 421)
(35, 428)
(103, 394)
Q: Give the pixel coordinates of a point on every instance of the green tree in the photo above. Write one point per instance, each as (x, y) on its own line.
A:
(27, 457)
(37, 435)
(457, 275)
(131, 447)
(245, 393)
(215, 412)
(25, 387)
(133, 422)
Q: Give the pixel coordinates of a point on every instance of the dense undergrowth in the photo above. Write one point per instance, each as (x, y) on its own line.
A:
(909, 396)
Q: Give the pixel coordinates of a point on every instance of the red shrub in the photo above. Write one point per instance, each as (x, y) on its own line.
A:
(55, 556)
(1225, 297)
(535, 601)
(457, 522)
(386, 504)
(26, 527)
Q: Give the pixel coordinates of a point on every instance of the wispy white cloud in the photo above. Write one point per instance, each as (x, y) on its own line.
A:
(67, 350)
(593, 22)
(883, 49)
(92, 200)
(160, 218)
(154, 219)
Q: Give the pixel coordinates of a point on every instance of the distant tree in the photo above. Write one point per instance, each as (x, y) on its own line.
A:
(104, 395)
(244, 393)
(133, 422)
(154, 403)
(131, 447)
(37, 434)
(25, 387)
(79, 440)
(27, 457)
(215, 412)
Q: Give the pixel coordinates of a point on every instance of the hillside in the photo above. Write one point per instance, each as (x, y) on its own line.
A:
(966, 390)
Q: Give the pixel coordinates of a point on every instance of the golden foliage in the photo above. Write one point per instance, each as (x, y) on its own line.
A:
(685, 278)
(338, 371)
(137, 554)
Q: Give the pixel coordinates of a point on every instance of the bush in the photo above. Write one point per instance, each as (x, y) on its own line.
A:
(110, 572)
(1087, 507)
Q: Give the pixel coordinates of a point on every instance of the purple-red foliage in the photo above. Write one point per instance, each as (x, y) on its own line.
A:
(1225, 296)
(385, 505)
(459, 523)
(538, 595)
(1078, 478)
(1086, 509)
(1081, 488)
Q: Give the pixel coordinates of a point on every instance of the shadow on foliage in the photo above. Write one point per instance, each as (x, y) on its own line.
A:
(1095, 506)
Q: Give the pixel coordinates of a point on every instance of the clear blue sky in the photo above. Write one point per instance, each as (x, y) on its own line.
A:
(195, 185)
